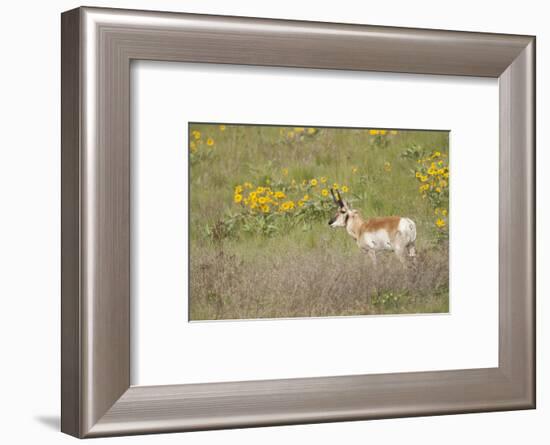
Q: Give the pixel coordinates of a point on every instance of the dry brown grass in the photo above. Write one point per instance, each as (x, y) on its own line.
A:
(317, 283)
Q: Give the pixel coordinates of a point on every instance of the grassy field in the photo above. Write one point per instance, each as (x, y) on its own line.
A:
(260, 245)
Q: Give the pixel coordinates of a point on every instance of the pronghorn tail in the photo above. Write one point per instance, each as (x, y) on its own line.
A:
(407, 228)
(411, 226)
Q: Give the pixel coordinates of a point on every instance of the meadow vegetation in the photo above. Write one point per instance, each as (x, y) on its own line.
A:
(260, 245)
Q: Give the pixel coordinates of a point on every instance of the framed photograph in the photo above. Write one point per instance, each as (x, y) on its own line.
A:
(270, 222)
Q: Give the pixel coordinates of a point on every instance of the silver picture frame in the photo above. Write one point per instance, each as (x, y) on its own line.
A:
(97, 47)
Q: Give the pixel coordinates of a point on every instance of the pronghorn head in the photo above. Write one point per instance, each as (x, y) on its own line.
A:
(343, 213)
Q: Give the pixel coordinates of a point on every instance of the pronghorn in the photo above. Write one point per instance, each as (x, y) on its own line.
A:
(392, 233)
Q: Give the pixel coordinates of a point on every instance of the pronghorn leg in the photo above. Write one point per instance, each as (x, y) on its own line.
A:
(411, 249)
(400, 254)
(399, 247)
(372, 256)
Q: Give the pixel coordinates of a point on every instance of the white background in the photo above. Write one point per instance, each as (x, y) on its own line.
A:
(29, 223)
(270, 349)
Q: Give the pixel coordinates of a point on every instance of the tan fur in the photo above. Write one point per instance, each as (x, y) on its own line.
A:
(357, 225)
(388, 223)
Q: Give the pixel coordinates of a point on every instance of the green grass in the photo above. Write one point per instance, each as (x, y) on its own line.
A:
(290, 270)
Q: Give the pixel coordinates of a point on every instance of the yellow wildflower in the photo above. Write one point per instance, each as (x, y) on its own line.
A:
(280, 195)
(383, 132)
(237, 198)
(394, 132)
(265, 208)
(197, 134)
(222, 127)
(323, 179)
(247, 185)
(313, 182)
(373, 132)
(440, 223)
(311, 130)
(354, 170)
(387, 166)
(262, 200)
(444, 212)
(288, 205)
(324, 192)
(335, 186)
(299, 129)
(344, 189)
(306, 198)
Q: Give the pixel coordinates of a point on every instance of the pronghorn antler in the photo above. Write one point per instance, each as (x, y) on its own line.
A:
(338, 200)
